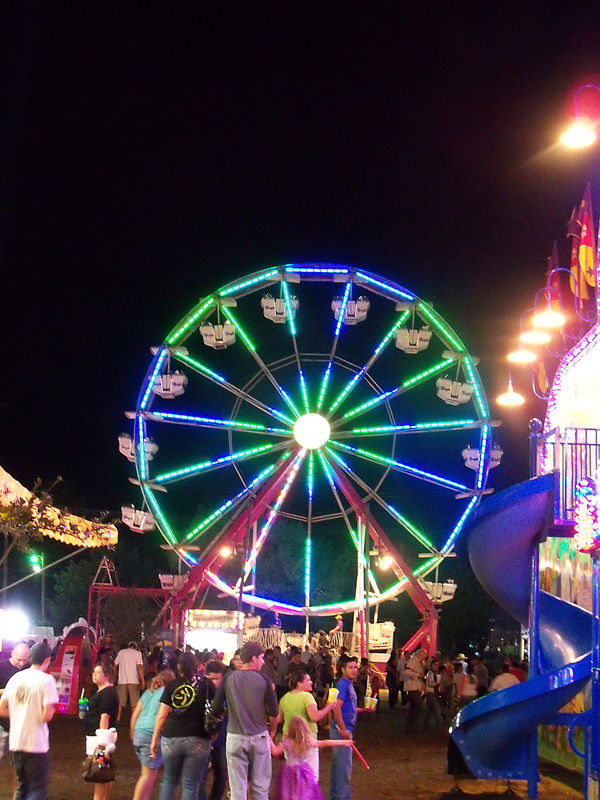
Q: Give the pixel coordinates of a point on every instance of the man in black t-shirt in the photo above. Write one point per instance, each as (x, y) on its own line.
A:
(18, 660)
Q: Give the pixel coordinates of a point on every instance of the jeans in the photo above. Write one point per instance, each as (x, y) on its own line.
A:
(249, 756)
(183, 757)
(218, 761)
(32, 774)
(340, 787)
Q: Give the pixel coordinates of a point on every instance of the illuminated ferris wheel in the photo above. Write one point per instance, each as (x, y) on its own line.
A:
(317, 402)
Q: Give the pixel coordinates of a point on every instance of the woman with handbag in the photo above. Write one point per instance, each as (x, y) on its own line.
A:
(102, 714)
(141, 729)
(180, 733)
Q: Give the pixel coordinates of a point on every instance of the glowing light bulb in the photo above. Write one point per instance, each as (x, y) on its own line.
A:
(311, 431)
(535, 337)
(549, 318)
(580, 134)
(510, 398)
(522, 356)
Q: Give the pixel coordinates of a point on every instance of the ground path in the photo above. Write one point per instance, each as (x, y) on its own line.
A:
(403, 767)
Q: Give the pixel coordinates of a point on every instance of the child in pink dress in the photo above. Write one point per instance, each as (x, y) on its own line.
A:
(297, 780)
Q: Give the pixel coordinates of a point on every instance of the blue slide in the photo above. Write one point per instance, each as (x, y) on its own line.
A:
(493, 732)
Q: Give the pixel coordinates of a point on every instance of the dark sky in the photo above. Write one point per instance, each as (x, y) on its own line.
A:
(149, 156)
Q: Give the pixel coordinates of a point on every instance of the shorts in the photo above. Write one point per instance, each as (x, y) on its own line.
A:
(128, 690)
(141, 746)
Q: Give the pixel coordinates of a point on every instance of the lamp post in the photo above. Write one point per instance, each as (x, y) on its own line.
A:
(37, 564)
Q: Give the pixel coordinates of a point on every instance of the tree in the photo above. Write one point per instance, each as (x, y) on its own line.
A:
(71, 586)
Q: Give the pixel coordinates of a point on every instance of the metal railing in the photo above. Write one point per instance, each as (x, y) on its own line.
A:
(573, 453)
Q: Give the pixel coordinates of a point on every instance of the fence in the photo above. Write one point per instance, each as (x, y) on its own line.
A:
(573, 453)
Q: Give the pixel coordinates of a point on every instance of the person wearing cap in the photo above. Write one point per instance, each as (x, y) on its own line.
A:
(29, 699)
(130, 680)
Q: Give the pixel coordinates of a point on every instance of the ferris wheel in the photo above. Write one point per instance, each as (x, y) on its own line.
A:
(316, 403)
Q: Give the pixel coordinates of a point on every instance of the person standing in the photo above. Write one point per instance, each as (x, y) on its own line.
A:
(391, 679)
(414, 674)
(342, 726)
(102, 714)
(251, 706)
(218, 759)
(18, 660)
(180, 734)
(141, 728)
(130, 675)
(29, 699)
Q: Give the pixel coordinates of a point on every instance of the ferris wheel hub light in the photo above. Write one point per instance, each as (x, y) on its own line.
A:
(311, 431)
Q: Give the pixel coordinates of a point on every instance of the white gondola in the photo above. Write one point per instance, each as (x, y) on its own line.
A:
(454, 392)
(127, 447)
(170, 385)
(218, 336)
(137, 520)
(355, 312)
(472, 456)
(275, 308)
(413, 340)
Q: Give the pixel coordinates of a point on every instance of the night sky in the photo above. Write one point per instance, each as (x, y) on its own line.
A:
(149, 156)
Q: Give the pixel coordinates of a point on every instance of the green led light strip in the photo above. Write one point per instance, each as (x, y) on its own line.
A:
(470, 368)
(239, 328)
(257, 279)
(435, 320)
(193, 468)
(422, 426)
(156, 508)
(428, 372)
(200, 367)
(173, 337)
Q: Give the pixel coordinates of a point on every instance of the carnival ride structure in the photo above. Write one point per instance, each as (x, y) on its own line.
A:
(324, 396)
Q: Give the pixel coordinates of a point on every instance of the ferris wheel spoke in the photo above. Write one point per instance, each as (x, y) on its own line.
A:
(376, 353)
(336, 336)
(408, 384)
(403, 468)
(251, 560)
(406, 523)
(332, 485)
(191, 420)
(292, 327)
(421, 427)
(219, 380)
(218, 463)
(263, 367)
(229, 505)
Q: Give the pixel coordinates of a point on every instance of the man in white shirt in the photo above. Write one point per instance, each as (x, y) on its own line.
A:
(29, 699)
(503, 680)
(130, 680)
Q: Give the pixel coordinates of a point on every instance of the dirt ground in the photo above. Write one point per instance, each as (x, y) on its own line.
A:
(403, 767)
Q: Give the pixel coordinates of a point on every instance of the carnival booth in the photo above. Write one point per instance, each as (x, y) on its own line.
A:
(72, 666)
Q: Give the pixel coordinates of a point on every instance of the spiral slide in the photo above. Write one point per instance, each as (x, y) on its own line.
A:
(493, 732)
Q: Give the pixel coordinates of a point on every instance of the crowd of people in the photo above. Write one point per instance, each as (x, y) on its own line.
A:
(191, 714)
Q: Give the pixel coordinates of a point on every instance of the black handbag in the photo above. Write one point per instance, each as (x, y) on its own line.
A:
(99, 767)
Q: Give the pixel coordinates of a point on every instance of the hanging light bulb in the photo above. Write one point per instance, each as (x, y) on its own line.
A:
(510, 398)
(535, 337)
(522, 356)
(549, 318)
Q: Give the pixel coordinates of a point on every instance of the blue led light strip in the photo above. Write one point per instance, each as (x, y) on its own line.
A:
(211, 422)
(340, 319)
(309, 484)
(459, 525)
(202, 526)
(483, 452)
(336, 334)
(388, 288)
(418, 473)
(317, 270)
(159, 358)
(421, 426)
(140, 451)
(193, 469)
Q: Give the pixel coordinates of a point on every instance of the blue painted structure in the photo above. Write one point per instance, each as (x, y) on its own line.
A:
(496, 734)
